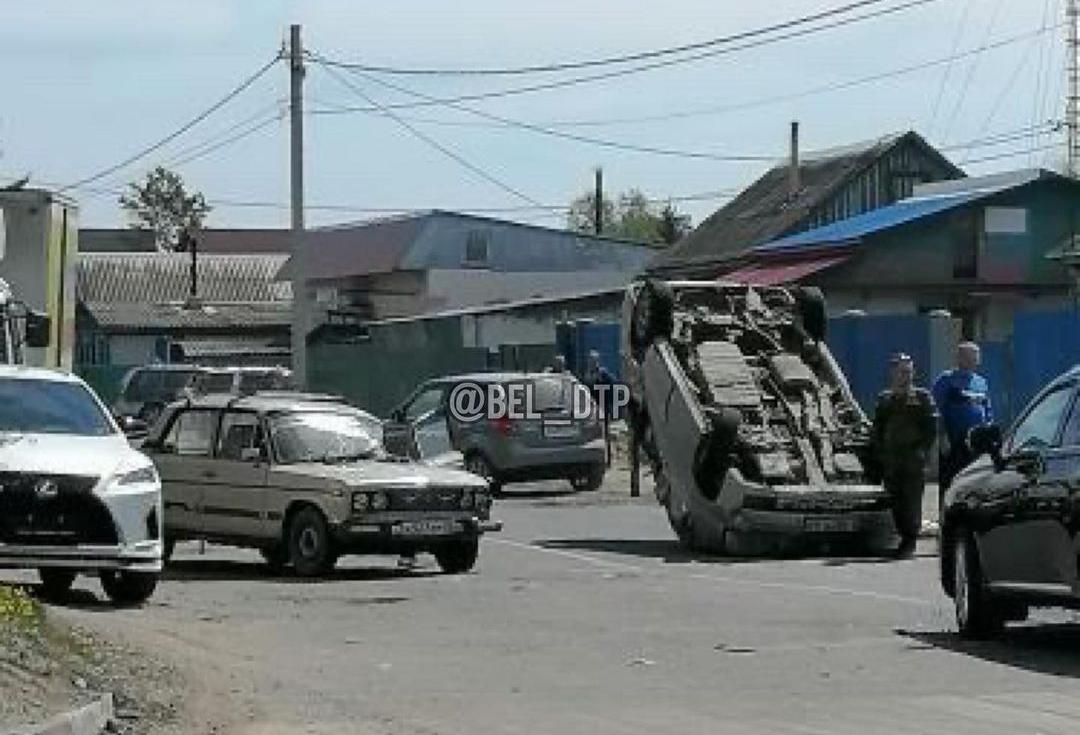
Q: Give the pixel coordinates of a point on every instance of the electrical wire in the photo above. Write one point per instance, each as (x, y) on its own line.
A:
(574, 81)
(621, 59)
(948, 67)
(231, 95)
(279, 106)
(417, 133)
(1008, 154)
(540, 129)
(206, 150)
(972, 68)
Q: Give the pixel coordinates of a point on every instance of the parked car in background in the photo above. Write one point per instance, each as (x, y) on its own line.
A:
(242, 381)
(304, 479)
(550, 445)
(1010, 519)
(146, 390)
(75, 498)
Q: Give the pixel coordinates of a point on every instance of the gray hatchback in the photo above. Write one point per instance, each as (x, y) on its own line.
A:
(548, 438)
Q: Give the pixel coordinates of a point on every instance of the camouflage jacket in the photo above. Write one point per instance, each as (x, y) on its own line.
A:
(905, 425)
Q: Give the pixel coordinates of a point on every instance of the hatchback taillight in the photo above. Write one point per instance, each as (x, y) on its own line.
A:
(504, 425)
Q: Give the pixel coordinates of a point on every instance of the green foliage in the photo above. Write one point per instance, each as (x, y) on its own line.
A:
(16, 607)
(163, 205)
(632, 217)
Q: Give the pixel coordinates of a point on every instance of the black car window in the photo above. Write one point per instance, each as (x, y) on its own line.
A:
(239, 431)
(1071, 436)
(215, 383)
(192, 433)
(424, 403)
(1040, 426)
(50, 407)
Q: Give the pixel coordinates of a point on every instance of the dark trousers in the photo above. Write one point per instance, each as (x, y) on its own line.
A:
(950, 463)
(906, 484)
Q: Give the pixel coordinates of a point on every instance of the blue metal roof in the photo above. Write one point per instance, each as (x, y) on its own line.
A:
(855, 228)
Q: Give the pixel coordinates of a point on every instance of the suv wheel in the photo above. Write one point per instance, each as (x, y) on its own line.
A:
(478, 464)
(590, 480)
(128, 588)
(976, 614)
(55, 583)
(310, 544)
(458, 557)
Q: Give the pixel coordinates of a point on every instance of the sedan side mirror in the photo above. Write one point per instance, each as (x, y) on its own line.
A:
(986, 440)
(132, 425)
(1028, 461)
(38, 328)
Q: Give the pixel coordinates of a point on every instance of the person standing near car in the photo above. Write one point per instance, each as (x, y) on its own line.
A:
(904, 428)
(600, 382)
(963, 398)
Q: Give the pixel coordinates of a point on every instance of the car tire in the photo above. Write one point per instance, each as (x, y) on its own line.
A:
(128, 589)
(590, 480)
(479, 465)
(977, 616)
(310, 545)
(55, 583)
(812, 312)
(458, 557)
(275, 557)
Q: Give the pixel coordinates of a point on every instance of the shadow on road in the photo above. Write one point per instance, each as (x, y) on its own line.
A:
(222, 570)
(672, 553)
(1045, 649)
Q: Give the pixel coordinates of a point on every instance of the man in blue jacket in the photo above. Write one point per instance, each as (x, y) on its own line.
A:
(963, 400)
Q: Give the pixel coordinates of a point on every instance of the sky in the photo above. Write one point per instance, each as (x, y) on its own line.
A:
(89, 84)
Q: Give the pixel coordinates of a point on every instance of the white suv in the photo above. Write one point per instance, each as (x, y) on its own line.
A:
(74, 496)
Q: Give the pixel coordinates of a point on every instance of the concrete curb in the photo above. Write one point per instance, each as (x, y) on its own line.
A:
(92, 719)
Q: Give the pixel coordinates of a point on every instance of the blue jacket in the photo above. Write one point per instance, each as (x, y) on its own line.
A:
(963, 400)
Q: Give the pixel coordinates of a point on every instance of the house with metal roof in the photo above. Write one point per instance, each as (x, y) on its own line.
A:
(136, 308)
(806, 192)
(437, 260)
(982, 248)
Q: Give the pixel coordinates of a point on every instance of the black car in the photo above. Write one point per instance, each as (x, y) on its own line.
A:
(1010, 519)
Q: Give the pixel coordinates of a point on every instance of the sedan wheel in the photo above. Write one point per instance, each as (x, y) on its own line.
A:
(458, 557)
(55, 583)
(128, 588)
(976, 614)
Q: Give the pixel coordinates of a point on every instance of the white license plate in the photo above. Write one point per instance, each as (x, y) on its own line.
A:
(829, 524)
(423, 528)
(560, 431)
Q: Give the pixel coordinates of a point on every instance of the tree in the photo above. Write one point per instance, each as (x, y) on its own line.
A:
(631, 217)
(163, 205)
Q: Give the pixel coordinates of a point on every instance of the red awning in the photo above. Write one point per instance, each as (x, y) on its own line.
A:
(776, 273)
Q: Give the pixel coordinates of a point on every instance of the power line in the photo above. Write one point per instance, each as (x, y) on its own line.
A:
(602, 142)
(574, 81)
(712, 110)
(431, 141)
(620, 59)
(232, 94)
(948, 67)
(1008, 154)
(971, 69)
(211, 148)
(278, 106)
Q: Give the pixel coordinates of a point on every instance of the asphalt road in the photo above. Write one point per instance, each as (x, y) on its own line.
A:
(584, 617)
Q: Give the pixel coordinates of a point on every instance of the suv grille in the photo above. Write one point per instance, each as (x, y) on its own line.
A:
(52, 510)
(432, 498)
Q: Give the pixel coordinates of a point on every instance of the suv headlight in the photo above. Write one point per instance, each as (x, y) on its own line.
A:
(466, 499)
(140, 476)
(379, 500)
(360, 502)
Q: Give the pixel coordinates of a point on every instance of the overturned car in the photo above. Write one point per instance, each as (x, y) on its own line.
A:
(755, 441)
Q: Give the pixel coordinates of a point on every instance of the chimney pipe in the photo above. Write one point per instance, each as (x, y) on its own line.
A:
(794, 181)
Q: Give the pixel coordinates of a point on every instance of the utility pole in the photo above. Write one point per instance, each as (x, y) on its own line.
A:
(301, 320)
(1072, 103)
(598, 202)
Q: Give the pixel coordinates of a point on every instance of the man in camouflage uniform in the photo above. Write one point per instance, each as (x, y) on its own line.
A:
(905, 426)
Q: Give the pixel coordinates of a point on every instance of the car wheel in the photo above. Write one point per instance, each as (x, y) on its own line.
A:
(128, 588)
(478, 464)
(458, 557)
(275, 558)
(590, 480)
(309, 544)
(976, 614)
(55, 583)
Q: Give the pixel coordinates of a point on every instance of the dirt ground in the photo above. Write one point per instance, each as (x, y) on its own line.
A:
(48, 667)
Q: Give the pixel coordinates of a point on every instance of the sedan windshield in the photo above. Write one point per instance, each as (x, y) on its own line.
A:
(324, 436)
(50, 407)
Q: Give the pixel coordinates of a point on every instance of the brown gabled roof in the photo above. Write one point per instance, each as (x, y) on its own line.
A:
(765, 210)
(149, 278)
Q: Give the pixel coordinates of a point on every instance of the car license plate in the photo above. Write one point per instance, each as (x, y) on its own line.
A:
(560, 431)
(423, 528)
(829, 524)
